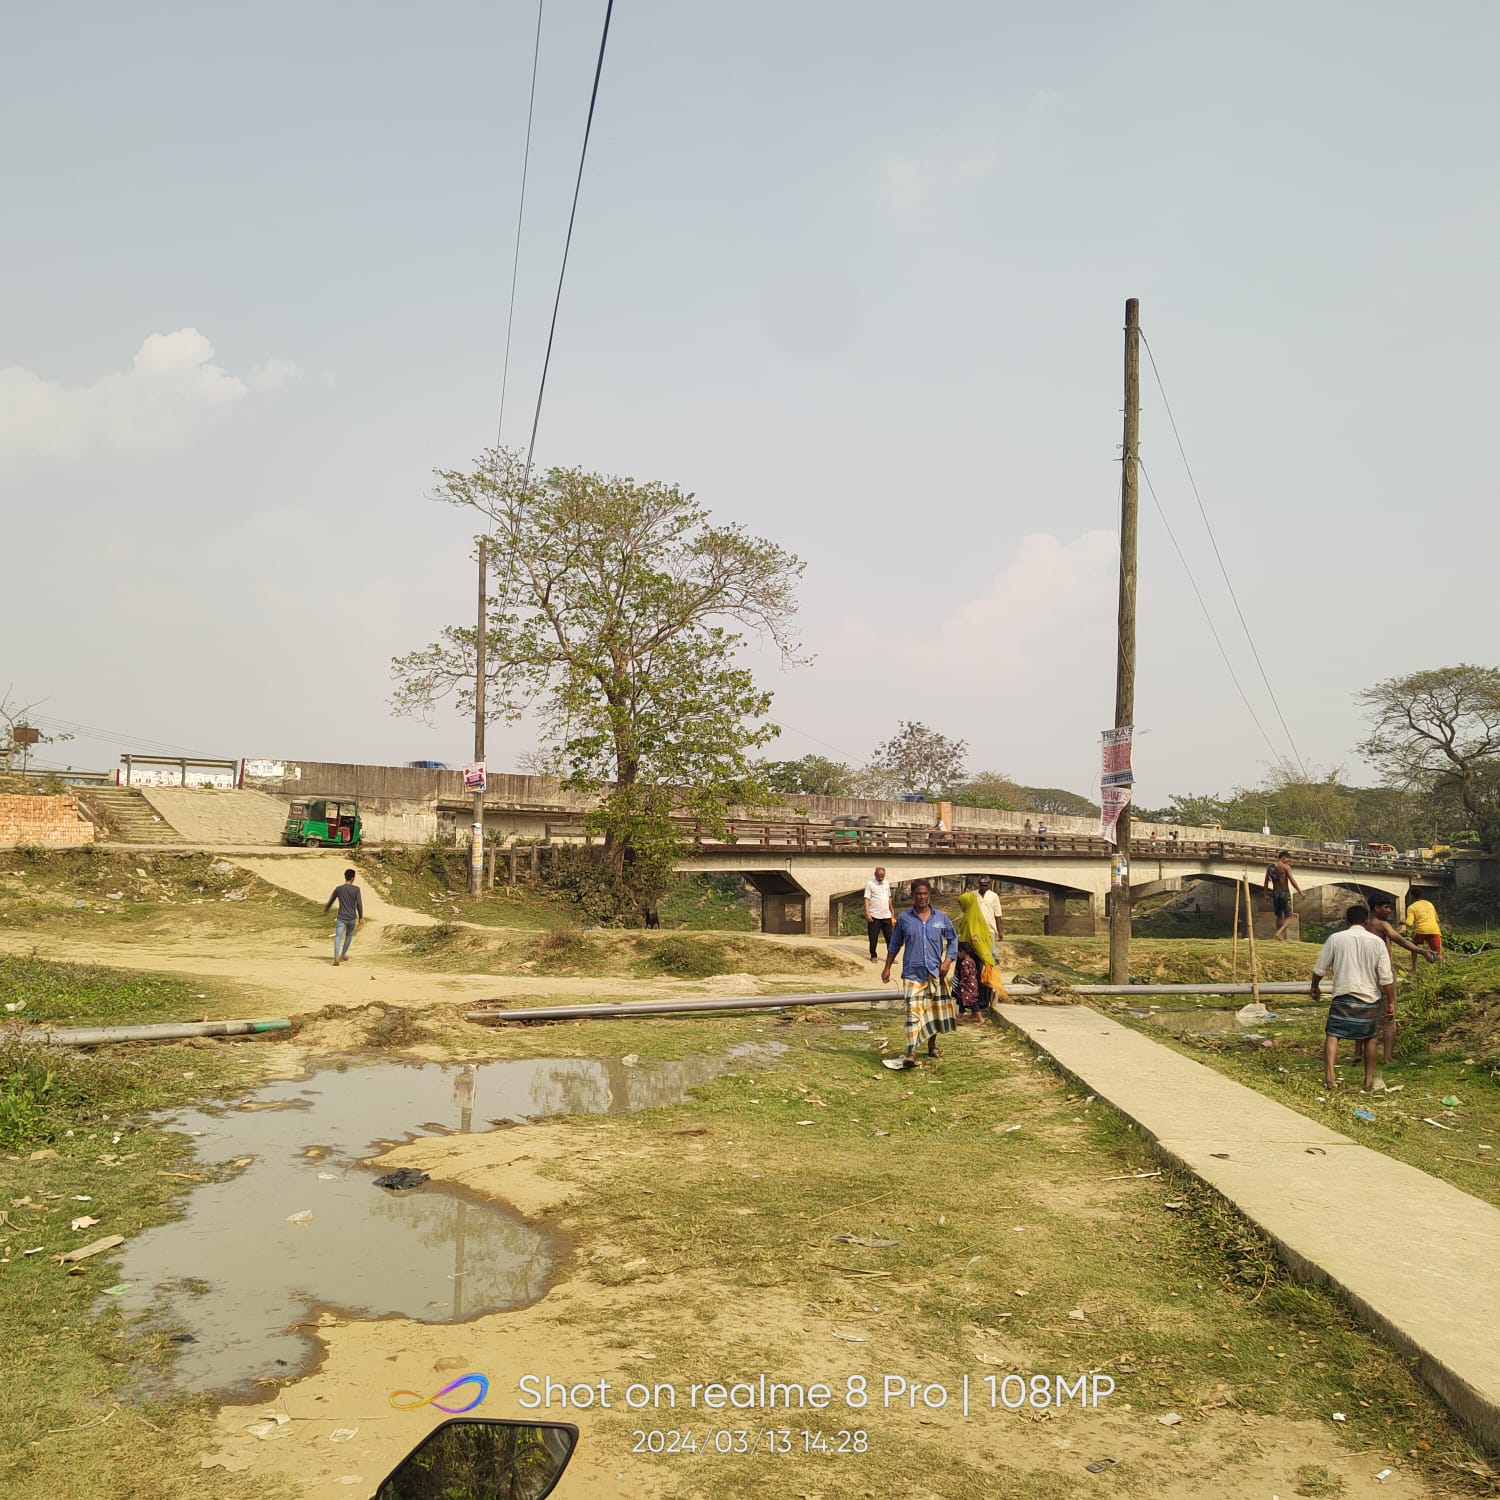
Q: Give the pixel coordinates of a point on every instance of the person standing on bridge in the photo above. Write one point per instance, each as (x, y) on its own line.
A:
(351, 914)
(928, 944)
(1422, 918)
(879, 912)
(1362, 977)
(1280, 882)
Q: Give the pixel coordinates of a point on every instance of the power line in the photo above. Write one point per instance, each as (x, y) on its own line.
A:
(515, 266)
(567, 245)
(1208, 526)
(89, 731)
(1203, 605)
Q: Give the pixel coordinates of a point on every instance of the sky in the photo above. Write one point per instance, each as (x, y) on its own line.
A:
(854, 274)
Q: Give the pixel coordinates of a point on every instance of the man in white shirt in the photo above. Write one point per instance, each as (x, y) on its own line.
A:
(1364, 988)
(994, 914)
(878, 910)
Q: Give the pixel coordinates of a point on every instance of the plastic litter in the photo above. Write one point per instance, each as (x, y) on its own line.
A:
(342, 1435)
(402, 1179)
(1338, 1416)
(865, 1240)
(1383, 1475)
(631, 1058)
(856, 1026)
(1364, 1114)
(1450, 1101)
(1171, 1419)
(1100, 1465)
(1427, 1120)
(98, 1247)
(305, 1217)
(118, 1289)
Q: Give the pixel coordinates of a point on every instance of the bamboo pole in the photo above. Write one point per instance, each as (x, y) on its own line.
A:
(1250, 933)
(1234, 950)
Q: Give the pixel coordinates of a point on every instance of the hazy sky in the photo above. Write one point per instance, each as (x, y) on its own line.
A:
(854, 273)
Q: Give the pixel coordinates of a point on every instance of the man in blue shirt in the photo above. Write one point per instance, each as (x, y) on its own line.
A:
(928, 944)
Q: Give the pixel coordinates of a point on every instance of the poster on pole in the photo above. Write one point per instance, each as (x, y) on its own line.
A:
(474, 777)
(1112, 801)
(1117, 771)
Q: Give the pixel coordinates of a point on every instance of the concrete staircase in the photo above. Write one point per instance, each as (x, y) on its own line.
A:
(123, 816)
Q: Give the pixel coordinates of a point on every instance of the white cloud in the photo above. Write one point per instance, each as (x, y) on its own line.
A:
(171, 390)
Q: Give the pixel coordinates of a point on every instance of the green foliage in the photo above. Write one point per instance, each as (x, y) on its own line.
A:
(613, 615)
(811, 776)
(687, 957)
(989, 789)
(1059, 802)
(1438, 732)
(920, 759)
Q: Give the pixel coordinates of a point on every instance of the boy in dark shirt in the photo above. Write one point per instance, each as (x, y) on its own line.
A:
(351, 914)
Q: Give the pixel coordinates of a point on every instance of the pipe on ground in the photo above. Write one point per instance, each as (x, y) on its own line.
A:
(628, 1008)
(166, 1031)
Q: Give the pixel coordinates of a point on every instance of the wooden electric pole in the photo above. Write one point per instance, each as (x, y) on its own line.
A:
(476, 843)
(1119, 911)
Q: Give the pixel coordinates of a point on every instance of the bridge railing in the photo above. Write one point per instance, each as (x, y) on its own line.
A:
(784, 837)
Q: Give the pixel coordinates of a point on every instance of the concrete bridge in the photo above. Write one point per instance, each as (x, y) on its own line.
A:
(805, 875)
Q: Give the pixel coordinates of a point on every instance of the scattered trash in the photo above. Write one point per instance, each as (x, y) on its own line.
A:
(804, 1122)
(1364, 1114)
(1316, 1151)
(83, 1221)
(866, 1241)
(221, 867)
(1394, 1088)
(895, 1063)
(118, 1289)
(1129, 1176)
(880, 1132)
(1078, 1315)
(1427, 1120)
(270, 1427)
(850, 1335)
(117, 895)
(856, 1026)
(1450, 1101)
(402, 1179)
(342, 1435)
(1170, 1420)
(98, 1247)
(328, 1177)
(15, 1006)
(1484, 1148)
(305, 1217)
(1338, 1416)
(37, 1251)
(630, 1059)
(1174, 1205)
(1383, 1475)
(1101, 1465)
(82, 1198)
(1219, 1155)
(1252, 1014)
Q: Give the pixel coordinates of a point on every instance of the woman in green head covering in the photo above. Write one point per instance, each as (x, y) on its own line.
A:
(976, 950)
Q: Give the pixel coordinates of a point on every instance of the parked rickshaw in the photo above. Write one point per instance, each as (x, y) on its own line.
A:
(319, 821)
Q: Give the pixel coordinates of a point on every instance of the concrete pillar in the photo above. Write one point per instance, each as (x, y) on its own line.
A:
(1062, 923)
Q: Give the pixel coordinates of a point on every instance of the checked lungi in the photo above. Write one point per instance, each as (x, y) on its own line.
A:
(929, 1009)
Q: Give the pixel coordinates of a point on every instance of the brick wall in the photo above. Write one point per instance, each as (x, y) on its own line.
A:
(54, 822)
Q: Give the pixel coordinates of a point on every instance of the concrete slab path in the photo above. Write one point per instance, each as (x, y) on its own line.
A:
(1418, 1260)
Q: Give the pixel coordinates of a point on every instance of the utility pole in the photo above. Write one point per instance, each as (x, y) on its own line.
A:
(476, 843)
(1119, 912)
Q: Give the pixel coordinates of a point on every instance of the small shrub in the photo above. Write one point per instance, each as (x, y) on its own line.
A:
(687, 958)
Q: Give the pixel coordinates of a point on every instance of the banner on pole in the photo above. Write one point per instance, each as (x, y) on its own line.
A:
(1113, 800)
(474, 777)
(1117, 771)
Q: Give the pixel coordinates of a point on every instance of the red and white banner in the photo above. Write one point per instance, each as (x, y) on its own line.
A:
(1112, 802)
(474, 777)
(1117, 771)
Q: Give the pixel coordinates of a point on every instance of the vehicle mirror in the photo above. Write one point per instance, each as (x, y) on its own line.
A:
(483, 1459)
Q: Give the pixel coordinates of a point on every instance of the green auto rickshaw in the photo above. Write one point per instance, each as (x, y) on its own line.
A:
(319, 820)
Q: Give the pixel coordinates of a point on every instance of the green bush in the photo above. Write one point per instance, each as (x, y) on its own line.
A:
(685, 957)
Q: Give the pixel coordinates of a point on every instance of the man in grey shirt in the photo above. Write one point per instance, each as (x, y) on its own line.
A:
(351, 914)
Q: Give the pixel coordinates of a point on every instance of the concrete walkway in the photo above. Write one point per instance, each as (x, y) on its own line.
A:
(1418, 1260)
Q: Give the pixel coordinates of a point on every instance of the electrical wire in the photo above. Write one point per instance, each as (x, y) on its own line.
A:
(515, 265)
(567, 245)
(90, 732)
(1208, 526)
(1203, 605)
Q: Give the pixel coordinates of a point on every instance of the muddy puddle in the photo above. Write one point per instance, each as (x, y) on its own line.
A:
(298, 1224)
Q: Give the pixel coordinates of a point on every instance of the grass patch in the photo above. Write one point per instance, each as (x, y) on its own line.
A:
(435, 878)
(89, 995)
(716, 903)
(1085, 960)
(77, 1425)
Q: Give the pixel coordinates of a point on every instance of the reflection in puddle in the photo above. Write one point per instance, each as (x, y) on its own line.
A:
(239, 1274)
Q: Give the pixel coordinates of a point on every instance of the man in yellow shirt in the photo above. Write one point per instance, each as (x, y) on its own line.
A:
(1422, 919)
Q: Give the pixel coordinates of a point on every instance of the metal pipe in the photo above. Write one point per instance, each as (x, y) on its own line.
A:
(166, 1031)
(628, 1008)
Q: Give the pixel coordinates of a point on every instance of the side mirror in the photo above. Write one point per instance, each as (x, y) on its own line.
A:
(483, 1459)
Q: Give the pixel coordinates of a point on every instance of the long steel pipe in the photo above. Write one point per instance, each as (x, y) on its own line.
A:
(627, 1008)
(166, 1031)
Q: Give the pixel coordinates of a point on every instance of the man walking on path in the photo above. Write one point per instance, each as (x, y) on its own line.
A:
(1382, 909)
(351, 914)
(929, 945)
(878, 910)
(1362, 977)
(1281, 883)
(994, 913)
(1422, 918)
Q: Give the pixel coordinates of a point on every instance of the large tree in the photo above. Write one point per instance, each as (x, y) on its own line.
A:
(612, 616)
(920, 760)
(811, 776)
(1438, 732)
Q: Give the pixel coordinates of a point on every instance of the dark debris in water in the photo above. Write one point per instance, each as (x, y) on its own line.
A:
(403, 1179)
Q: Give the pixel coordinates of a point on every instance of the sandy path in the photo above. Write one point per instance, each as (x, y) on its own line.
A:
(314, 876)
